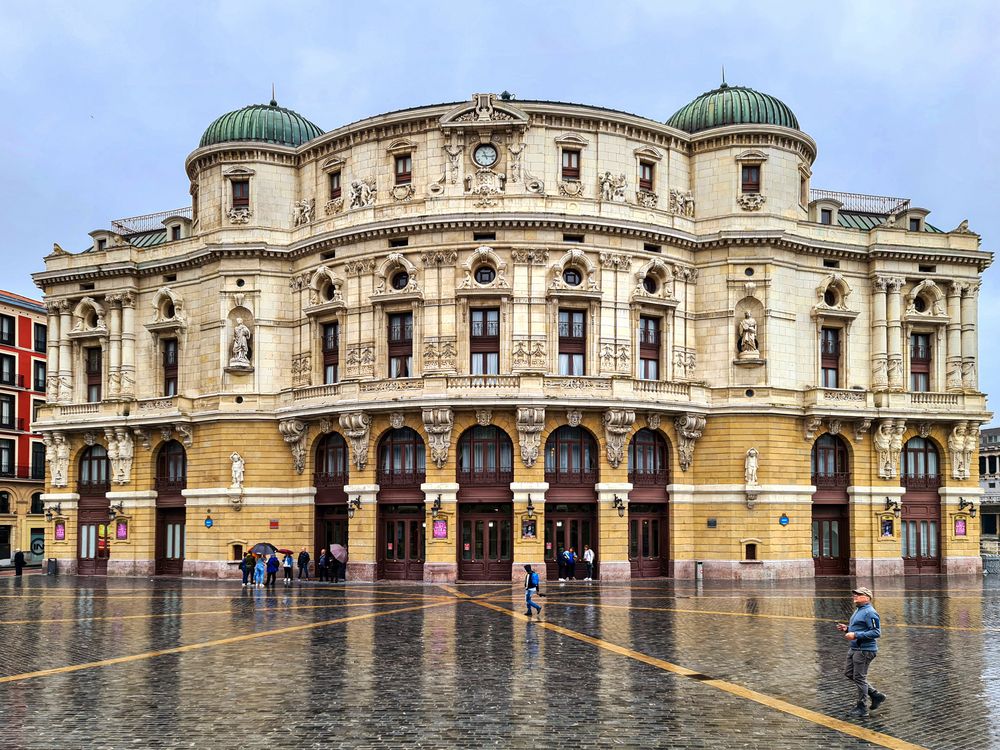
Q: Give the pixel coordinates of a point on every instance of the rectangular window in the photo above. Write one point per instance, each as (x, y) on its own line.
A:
(175, 233)
(241, 193)
(335, 185)
(914, 225)
(8, 369)
(39, 376)
(7, 458)
(6, 411)
(41, 337)
(37, 462)
(102, 245)
(170, 354)
(920, 362)
(570, 164)
(7, 330)
(646, 175)
(649, 348)
(401, 345)
(331, 353)
(829, 353)
(35, 408)
(826, 216)
(404, 169)
(751, 178)
(484, 342)
(92, 367)
(572, 342)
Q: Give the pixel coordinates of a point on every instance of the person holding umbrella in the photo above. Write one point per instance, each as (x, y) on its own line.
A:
(258, 571)
(272, 570)
(338, 562)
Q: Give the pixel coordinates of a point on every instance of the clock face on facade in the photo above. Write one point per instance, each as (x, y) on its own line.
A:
(485, 155)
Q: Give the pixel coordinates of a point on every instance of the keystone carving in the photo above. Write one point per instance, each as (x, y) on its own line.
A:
(689, 429)
(574, 417)
(812, 426)
(294, 433)
(888, 441)
(530, 421)
(438, 423)
(356, 427)
(397, 420)
(860, 428)
(484, 417)
(617, 425)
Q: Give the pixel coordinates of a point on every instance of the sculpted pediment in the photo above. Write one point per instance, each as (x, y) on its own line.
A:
(485, 110)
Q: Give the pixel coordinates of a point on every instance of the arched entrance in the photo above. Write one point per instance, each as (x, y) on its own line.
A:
(648, 510)
(571, 471)
(331, 474)
(485, 505)
(170, 481)
(921, 516)
(92, 523)
(401, 471)
(831, 475)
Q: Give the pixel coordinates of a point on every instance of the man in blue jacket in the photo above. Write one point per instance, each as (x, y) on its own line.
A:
(862, 631)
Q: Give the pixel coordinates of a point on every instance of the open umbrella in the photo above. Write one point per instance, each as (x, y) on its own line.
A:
(285, 551)
(339, 553)
(263, 548)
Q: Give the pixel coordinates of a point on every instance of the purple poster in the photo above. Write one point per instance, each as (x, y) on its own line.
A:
(60, 531)
(959, 527)
(440, 529)
(121, 531)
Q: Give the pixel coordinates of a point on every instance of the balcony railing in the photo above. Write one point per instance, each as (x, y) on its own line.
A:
(933, 398)
(23, 472)
(921, 481)
(662, 386)
(401, 478)
(147, 222)
(862, 203)
(489, 329)
(93, 487)
(316, 391)
(649, 478)
(486, 478)
(649, 337)
(169, 485)
(326, 480)
(835, 480)
(506, 382)
(568, 477)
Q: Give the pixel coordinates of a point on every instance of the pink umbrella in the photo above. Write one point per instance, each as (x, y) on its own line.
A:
(339, 553)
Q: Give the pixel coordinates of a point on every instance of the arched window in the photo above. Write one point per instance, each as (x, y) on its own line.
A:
(4, 502)
(171, 467)
(401, 459)
(332, 468)
(647, 459)
(37, 506)
(829, 462)
(485, 457)
(921, 469)
(570, 457)
(93, 470)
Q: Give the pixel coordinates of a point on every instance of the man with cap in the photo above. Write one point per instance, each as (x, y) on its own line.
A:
(862, 632)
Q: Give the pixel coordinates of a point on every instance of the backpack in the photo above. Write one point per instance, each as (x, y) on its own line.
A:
(534, 580)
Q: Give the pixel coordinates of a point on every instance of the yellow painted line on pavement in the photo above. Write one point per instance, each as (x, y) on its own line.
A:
(212, 644)
(453, 591)
(837, 725)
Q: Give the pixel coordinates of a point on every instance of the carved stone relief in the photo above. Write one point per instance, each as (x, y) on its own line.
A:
(439, 423)
(396, 420)
(440, 355)
(484, 417)
(301, 369)
(303, 212)
(750, 201)
(860, 428)
(294, 432)
(682, 203)
(574, 417)
(615, 356)
(689, 429)
(530, 422)
(529, 354)
(240, 215)
(571, 188)
(363, 192)
(360, 360)
(613, 188)
(486, 184)
(617, 426)
(356, 427)
(812, 426)
(532, 256)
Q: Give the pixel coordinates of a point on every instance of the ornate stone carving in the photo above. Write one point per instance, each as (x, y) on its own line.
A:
(515, 161)
(301, 369)
(954, 375)
(439, 423)
(532, 256)
(237, 469)
(334, 206)
(682, 203)
(359, 360)
(747, 337)
(439, 258)
(612, 188)
(895, 363)
(812, 425)
(52, 388)
(529, 354)
(615, 356)
(969, 374)
(185, 433)
(571, 188)
(142, 435)
(530, 422)
(689, 429)
(240, 215)
(860, 428)
(363, 192)
(397, 419)
(750, 201)
(484, 255)
(121, 467)
(971, 446)
(359, 266)
(89, 438)
(323, 425)
(401, 193)
(241, 348)
(616, 261)
(356, 427)
(453, 152)
(833, 426)
(646, 198)
(57, 456)
(484, 111)
(751, 463)
(303, 212)
(880, 373)
(484, 417)
(486, 185)
(956, 446)
(888, 442)
(617, 426)
(294, 432)
(166, 432)
(440, 355)
(924, 429)
(574, 417)
(653, 421)
(685, 360)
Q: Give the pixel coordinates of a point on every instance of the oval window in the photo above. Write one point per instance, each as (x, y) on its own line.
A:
(485, 275)
(400, 280)
(830, 297)
(649, 284)
(572, 277)
(920, 304)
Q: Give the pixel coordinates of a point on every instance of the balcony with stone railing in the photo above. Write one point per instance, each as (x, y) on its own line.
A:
(838, 399)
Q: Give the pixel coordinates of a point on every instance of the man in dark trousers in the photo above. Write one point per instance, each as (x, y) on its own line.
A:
(304, 564)
(862, 632)
(18, 563)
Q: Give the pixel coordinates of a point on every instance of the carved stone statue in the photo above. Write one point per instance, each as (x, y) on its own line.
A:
(60, 468)
(302, 212)
(237, 469)
(241, 345)
(126, 452)
(363, 193)
(748, 335)
(750, 465)
(956, 446)
(882, 440)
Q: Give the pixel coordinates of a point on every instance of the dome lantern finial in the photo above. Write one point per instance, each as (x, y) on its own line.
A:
(724, 84)
(274, 102)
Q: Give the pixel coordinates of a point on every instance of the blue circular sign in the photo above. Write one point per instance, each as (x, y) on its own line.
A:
(783, 520)
(208, 523)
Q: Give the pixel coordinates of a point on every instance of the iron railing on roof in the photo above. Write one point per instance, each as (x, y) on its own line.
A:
(869, 204)
(147, 223)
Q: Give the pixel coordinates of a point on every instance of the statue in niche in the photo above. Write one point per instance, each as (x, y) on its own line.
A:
(750, 465)
(241, 345)
(748, 336)
(237, 469)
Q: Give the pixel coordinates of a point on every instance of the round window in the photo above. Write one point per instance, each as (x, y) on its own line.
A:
(400, 280)
(748, 271)
(830, 297)
(649, 284)
(572, 277)
(485, 275)
(328, 292)
(169, 311)
(920, 304)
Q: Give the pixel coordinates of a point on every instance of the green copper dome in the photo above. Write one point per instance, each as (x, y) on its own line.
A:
(261, 122)
(732, 105)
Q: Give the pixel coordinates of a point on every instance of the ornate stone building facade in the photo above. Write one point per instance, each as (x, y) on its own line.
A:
(460, 338)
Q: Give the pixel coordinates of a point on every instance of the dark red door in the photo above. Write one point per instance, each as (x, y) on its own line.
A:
(401, 542)
(331, 527)
(648, 548)
(921, 533)
(170, 539)
(485, 542)
(830, 539)
(93, 544)
(570, 525)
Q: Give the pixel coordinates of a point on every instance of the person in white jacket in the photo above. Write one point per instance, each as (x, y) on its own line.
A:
(588, 557)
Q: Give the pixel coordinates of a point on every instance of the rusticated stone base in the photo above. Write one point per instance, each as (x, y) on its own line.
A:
(440, 572)
(211, 569)
(884, 567)
(614, 571)
(962, 566)
(361, 571)
(517, 572)
(144, 568)
(740, 570)
(64, 566)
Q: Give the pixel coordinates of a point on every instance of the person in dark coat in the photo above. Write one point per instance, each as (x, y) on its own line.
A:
(272, 570)
(304, 564)
(322, 564)
(18, 563)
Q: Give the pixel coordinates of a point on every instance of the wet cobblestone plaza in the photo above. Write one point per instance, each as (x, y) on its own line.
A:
(133, 663)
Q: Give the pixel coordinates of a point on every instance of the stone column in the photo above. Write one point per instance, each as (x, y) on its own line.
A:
(114, 345)
(970, 294)
(880, 378)
(128, 346)
(361, 532)
(65, 354)
(440, 560)
(953, 362)
(528, 551)
(612, 552)
(895, 333)
(52, 355)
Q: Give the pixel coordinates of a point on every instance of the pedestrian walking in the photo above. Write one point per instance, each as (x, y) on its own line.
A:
(571, 564)
(531, 587)
(588, 558)
(304, 564)
(287, 564)
(322, 565)
(258, 571)
(18, 563)
(862, 631)
(272, 570)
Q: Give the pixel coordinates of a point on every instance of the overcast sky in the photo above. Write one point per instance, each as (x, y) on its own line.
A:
(101, 105)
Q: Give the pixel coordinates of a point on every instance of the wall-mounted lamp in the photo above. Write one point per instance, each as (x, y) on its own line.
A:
(530, 508)
(436, 507)
(619, 505)
(963, 504)
(353, 505)
(116, 510)
(893, 505)
(52, 512)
